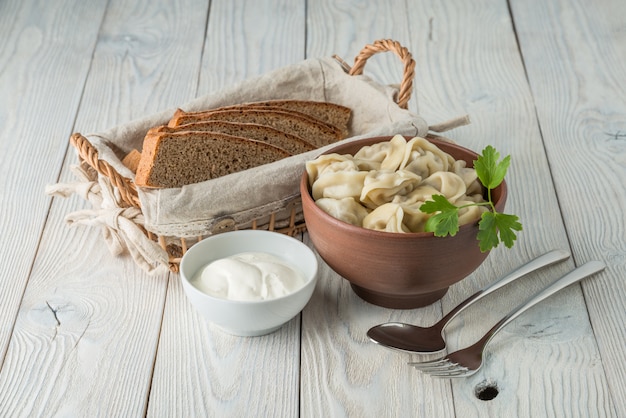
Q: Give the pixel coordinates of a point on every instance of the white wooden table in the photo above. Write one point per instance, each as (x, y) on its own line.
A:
(84, 333)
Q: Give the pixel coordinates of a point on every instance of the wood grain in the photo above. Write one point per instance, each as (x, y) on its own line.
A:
(482, 72)
(576, 73)
(345, 374)
(86, 335)
(71, 331)
(39, 95)
(249, 38)
(202, 371)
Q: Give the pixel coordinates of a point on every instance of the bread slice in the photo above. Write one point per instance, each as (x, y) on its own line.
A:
(311, 130)
(290, 143)
(331, 113)
(174, 159)
(131, 160)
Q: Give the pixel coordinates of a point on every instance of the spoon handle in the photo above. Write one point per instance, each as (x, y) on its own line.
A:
(545, 260)
(587, 269)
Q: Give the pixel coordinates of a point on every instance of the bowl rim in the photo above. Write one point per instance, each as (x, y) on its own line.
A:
(305, 191)
(188, 286)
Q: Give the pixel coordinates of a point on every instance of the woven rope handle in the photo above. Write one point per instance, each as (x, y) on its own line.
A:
(384, 45)
(87, 152)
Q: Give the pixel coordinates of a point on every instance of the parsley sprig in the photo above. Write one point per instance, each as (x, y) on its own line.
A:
(493, 227)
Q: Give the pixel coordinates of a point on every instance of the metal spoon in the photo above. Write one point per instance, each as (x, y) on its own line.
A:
(415, 339)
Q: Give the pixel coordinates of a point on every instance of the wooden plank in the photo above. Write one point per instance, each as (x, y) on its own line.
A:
(474, 65)
(39, 95)
(201, 371)
(250, 38)
(85, 337)
(87, 332)
(343, 373)
(575, 56)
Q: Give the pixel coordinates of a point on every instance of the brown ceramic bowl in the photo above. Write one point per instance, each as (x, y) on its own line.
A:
(395, 270)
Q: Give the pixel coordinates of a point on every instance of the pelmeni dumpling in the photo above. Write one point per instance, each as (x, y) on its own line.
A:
(389, 153)
(381, 186)
(346, 209)
(420, 194)
(469, 176)
(339, 184)
(367, 165)
(329, 163)
(470, 213)
(387, 217)
(476, 198)
(424, 158)
(414, 218)
(449, 184)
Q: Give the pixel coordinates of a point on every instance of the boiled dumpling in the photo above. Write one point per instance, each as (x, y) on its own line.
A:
(469, 176)
(414, 218)
(329, 163)
(387, 217)
(381, 186)
(449, 184)
(389, 153)
(384, 185)
(339, 185)
(424, 158)
(470, 213)
(346, 209)
(420, 194)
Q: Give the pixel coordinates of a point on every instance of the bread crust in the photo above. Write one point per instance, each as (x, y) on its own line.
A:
(290, 143)
(174, 159)
(311, 130)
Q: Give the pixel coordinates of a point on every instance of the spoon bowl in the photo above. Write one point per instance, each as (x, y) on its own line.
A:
(409, 338)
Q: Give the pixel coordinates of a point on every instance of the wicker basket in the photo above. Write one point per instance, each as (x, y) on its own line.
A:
(176, 248)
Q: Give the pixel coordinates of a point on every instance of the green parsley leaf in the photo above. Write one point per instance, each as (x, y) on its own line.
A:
(491, 172)
(506, 225)
(438, 204)
(494, 224)
(487, 232)
(446, 222)
(443, 223)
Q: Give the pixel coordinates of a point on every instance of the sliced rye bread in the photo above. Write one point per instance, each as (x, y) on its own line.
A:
(330, 113)
(174, 159)
(290, 143)
(131, 160)
(311, 130)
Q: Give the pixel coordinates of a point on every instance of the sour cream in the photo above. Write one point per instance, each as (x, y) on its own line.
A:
(248, 277)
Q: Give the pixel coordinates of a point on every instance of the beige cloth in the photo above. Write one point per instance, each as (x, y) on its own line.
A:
(198, 209)
(119, 225)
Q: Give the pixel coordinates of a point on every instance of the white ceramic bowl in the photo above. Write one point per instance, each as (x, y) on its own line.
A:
(249, 318)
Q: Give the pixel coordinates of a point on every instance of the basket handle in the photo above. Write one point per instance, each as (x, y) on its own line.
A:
(89, 154)
(384, 45)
